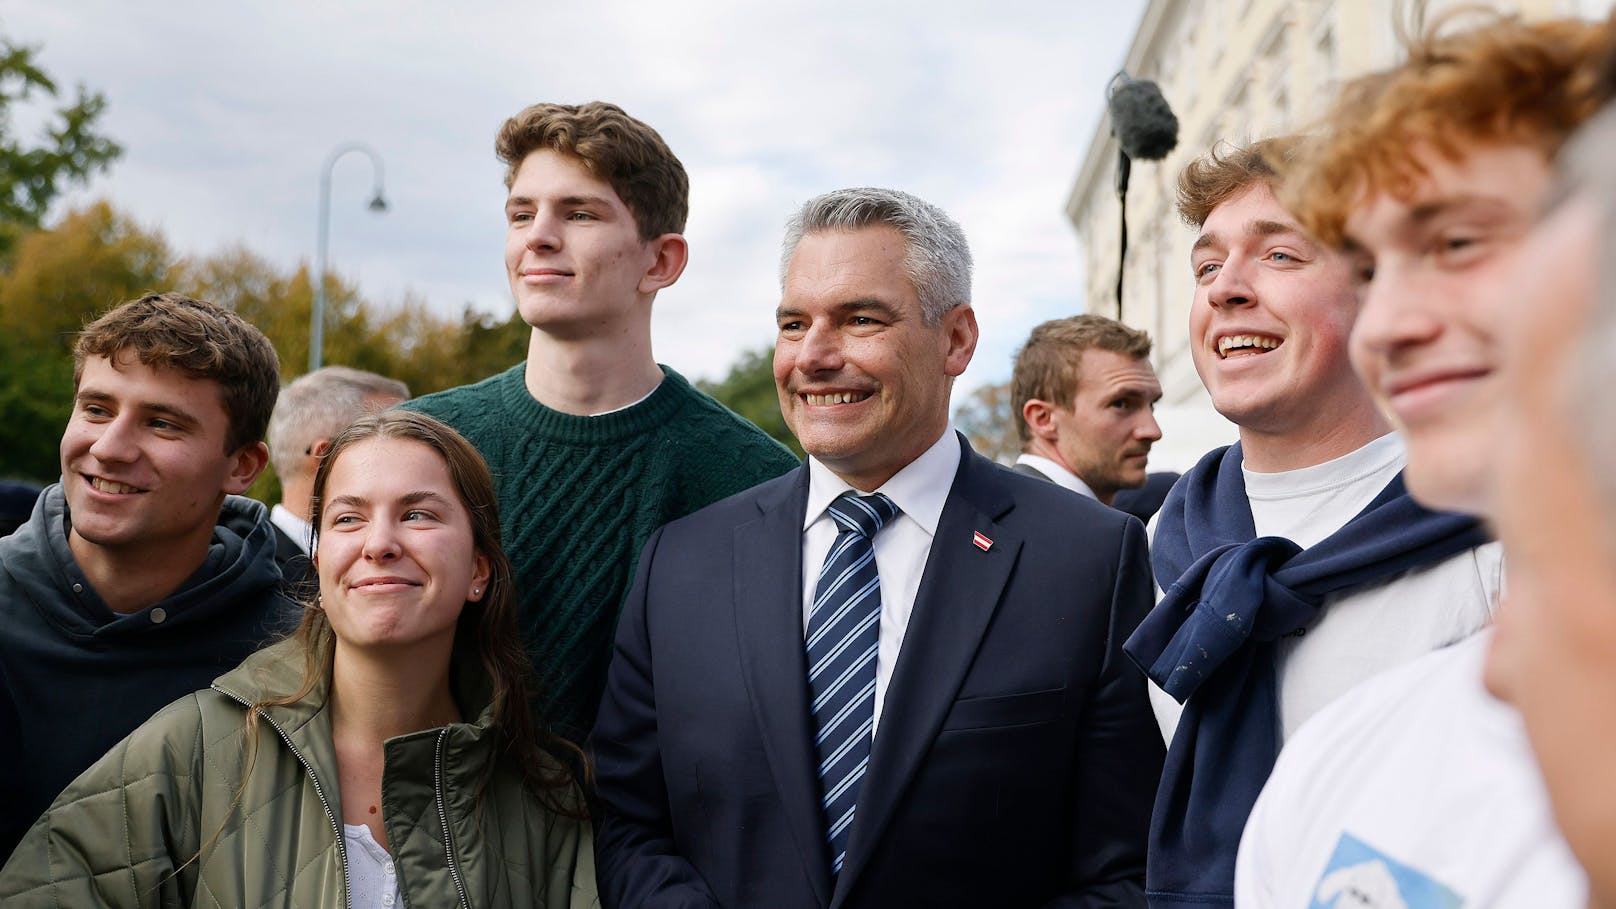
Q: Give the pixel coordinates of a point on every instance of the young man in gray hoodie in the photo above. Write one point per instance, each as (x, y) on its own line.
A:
(143, 574)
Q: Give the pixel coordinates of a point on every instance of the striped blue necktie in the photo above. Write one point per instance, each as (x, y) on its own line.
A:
(844, 628)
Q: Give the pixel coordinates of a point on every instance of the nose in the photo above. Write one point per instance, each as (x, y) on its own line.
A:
(1230, 286)
(819, 350)
(541, 233)
(1148, 429)
(1393, 312)
(116, 442)
(381, 541)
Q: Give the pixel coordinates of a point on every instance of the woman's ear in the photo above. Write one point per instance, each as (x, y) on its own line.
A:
(481, 569)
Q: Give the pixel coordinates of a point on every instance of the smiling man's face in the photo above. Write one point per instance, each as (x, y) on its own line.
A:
(1438, 261)
(863, 381)
(1270, 320)
(144, 463)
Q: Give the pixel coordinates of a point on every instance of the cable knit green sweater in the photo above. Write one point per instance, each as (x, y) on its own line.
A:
(578, 496)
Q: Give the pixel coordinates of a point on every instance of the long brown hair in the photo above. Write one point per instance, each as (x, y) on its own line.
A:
(486, 628)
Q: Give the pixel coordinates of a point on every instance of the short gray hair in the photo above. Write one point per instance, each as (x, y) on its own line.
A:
(321, 404)
(938, 259)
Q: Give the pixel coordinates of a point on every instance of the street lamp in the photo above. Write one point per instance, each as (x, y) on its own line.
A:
(377, 203)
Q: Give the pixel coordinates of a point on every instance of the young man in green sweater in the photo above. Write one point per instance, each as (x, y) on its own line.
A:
(593, 445)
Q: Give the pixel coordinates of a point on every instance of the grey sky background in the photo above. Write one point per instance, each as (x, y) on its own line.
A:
(227, 111)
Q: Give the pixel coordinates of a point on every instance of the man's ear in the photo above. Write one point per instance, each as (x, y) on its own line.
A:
(1040, 418)
(671, 253)
(245, 466)
(959, 326)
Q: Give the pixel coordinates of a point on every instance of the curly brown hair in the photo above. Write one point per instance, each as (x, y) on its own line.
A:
(613, 146)
(1504, 81)
(1227, 171)
(200, 339)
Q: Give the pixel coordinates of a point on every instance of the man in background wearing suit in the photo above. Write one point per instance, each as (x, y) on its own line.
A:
(1084, 397)
(311, 411)
(805, 709)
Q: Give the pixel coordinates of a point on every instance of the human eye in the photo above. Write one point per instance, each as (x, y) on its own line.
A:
(792, 326)
(1205, 270)
(582, 216)
(519, 217)
(95, 411)
(344, 519)
(1460, 247)
(419, 514)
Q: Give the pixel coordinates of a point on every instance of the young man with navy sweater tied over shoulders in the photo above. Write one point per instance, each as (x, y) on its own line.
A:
(1294, 564)
(593, 445)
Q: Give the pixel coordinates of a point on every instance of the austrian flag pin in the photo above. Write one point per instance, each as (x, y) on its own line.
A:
(982, 542)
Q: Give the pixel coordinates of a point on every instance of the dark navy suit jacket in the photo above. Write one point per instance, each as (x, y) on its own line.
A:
(1016, 759)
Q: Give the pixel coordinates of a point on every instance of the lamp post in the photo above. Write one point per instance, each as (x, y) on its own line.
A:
(377, 204)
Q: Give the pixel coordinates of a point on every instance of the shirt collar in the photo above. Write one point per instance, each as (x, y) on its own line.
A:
(920, 489)
(293, 526)
(1060, 475)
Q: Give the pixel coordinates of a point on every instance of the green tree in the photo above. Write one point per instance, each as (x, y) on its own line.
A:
(985, 418)
(33, 174)
(61, 278)
(749, 391)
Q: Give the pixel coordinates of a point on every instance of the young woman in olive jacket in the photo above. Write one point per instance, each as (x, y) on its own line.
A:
(384, 751)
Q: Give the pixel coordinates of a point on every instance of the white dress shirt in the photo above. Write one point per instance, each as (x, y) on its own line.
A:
(1057, 474)
(919, 490)
(301, 531)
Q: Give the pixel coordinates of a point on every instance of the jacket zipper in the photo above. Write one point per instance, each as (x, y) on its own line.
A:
(443, 818)
(336, 827)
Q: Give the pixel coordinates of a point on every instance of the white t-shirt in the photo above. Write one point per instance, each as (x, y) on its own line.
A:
(1370, 629)
(1417, 789)
(372, 879)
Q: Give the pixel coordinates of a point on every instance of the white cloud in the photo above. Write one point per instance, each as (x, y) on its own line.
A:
(228, 110)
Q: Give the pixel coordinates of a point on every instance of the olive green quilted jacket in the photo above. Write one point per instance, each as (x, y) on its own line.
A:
(156, 823)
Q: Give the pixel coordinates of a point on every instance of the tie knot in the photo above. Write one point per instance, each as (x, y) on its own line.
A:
(863, 515)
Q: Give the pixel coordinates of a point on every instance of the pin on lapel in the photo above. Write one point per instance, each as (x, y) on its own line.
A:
(982, 542)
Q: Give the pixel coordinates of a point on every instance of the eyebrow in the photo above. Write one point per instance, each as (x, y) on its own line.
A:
(862, 304)
(86, 396)
(409, 498)
(528, 201)
(1255, 229)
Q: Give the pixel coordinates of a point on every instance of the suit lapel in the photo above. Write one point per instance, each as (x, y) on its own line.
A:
(957, 597)
(768, 622)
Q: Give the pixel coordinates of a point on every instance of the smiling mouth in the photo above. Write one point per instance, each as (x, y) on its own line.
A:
(384, 582)
(1245, 345)
(840, 397)
(112, 487)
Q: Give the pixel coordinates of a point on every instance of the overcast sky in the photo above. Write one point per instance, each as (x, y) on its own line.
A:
(227, 111)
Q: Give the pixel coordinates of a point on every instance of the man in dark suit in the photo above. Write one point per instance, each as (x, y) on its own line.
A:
(892, 677)
(1084, 397)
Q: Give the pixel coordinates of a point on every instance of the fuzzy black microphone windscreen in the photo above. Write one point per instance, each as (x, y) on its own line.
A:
(1144, 125)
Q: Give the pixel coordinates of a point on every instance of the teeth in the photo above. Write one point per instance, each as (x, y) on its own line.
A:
(1230, 342)
(109, 486)
(844, 397)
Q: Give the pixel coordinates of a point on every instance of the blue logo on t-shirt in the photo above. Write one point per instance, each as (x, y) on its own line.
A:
(1359, 876)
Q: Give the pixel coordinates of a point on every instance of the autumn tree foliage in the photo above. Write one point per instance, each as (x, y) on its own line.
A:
(94, 258)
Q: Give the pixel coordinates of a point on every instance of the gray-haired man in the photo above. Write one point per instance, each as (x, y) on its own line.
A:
(893, 676)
